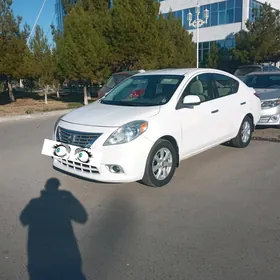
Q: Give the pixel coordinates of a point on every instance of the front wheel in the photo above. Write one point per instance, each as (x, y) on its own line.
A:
(244, 136)
(161, 164)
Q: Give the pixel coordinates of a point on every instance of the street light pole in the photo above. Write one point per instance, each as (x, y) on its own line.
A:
(197, 23)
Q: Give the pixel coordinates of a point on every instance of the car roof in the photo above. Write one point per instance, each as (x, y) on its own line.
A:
(251, 65)
(183, 71)
(264, 73)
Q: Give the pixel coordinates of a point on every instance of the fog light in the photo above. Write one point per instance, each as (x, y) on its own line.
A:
(115, 169)
(274, 118)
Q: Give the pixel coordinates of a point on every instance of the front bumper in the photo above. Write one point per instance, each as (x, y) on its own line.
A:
(270, 117)
(131, 157)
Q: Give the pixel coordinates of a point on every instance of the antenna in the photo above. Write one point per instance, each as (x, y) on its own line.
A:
(38, 16)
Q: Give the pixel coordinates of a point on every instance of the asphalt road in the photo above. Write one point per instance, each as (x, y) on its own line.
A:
(218, 219)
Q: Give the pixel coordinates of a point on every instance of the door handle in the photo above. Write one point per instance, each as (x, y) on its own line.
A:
(242, 103)
(215, 111)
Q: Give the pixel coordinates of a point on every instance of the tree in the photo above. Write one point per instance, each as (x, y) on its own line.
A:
(82, 50)
(43, 59)
(133, 36)
(261, 41)
(213, 58)
(176, 48)
(12, 45)
(141, 38)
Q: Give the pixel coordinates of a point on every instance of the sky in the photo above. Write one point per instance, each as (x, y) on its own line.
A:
(29, 9)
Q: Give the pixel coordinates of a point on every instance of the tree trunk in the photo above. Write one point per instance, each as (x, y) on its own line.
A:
(57, 93)
(10, 90)
(46, 94)
(85, 96)
(88, 94)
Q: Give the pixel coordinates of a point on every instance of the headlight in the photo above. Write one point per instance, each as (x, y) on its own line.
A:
(127, 133)
(271, 104)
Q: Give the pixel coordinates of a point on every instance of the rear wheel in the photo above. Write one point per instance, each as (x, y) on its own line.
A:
(161, 164)
(244, 136)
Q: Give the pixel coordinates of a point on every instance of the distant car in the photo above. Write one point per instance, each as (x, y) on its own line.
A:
(243, 70)
(267, 86)
(115, 79)
(126, 137)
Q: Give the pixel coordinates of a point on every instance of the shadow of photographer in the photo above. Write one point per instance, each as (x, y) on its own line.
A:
(53, 252)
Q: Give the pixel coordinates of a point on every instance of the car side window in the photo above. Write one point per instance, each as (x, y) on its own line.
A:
(225, 85)
(201, 86)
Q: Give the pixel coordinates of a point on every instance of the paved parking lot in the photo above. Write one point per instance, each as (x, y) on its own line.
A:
(218, 219)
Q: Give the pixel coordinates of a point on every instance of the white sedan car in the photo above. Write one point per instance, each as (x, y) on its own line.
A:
(144, 127)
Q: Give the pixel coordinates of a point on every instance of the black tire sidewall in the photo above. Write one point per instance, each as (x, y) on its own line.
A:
(149, 178)
(241, 143)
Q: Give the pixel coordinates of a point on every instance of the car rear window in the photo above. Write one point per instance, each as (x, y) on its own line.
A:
(263, 81)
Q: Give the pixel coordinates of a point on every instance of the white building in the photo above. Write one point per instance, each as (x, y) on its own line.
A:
(226, 17)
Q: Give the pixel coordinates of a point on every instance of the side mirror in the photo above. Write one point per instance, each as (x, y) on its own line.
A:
(191, 100)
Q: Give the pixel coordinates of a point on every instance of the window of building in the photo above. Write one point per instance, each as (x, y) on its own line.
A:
(225, 12)
(205, 47)
(254, 9)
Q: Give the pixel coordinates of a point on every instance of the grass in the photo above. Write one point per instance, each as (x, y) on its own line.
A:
(33, 102)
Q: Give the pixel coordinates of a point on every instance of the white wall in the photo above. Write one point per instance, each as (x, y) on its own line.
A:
(274, 3)
(215, 33)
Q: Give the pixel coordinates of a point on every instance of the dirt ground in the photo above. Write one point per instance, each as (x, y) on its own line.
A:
(33, 102)
(267, 133)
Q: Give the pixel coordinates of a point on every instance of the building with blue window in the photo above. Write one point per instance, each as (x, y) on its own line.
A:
(60, 13)
(226, 17)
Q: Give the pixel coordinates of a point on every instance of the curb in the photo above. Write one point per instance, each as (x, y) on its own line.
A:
(33, 116)
(267, 139)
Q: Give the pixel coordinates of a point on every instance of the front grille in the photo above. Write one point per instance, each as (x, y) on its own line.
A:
(78, 166)
(76, 138)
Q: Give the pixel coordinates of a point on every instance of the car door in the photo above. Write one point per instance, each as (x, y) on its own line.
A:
(232, 105)
(199, 124)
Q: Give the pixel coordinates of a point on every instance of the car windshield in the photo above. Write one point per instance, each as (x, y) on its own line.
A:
(144, 90)
(263, 81)
(115, 80)
(246, 70)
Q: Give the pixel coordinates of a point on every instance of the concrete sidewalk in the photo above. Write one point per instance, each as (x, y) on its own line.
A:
(33, 116)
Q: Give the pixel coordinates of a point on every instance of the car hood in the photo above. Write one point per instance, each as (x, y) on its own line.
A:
(268, 94)
(97, 114)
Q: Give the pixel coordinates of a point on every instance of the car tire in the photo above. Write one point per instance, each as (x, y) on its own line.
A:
(161, 164)
(244, 136)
